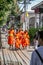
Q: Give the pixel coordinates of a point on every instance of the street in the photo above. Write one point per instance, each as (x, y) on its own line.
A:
(13, 57)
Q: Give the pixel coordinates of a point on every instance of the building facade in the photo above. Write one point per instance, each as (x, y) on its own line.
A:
(38, 14)
(28, 20)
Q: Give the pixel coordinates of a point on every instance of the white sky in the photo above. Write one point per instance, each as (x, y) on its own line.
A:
(35, 2)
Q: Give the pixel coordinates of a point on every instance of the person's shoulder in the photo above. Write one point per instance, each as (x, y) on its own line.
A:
(33, 53)
(40, 48)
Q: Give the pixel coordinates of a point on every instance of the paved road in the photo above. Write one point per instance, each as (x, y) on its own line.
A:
(7, 55)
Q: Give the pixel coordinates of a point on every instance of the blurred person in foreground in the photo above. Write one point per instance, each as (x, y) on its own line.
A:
(37, 55)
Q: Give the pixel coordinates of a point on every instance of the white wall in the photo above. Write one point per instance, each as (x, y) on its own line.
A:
(26, 23)
(36, 20)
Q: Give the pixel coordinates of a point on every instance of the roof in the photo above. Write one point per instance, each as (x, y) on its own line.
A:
(37, 6)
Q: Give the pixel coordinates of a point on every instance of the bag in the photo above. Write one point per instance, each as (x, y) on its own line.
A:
(39, 56)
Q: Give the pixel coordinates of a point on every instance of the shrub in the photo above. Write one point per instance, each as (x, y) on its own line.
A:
(32, 32)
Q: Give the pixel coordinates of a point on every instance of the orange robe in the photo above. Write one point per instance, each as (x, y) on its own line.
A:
(17, 43)
(27, 39)
(23, 42)
(27, 42)
(11, 37)
(21, 36)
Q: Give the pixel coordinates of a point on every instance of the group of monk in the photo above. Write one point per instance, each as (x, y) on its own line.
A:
(19, 38)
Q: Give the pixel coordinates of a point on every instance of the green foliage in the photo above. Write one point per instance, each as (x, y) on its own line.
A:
(4, 8)
(7, 7)
(19, 24)
(20, 0)
(32, 32)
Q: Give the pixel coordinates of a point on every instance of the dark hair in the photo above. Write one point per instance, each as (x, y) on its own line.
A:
(40, 33)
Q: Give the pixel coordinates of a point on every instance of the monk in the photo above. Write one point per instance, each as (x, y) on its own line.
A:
(27, 38)
(17, 43)
(11, 37)
(23, 42)
(21, 33)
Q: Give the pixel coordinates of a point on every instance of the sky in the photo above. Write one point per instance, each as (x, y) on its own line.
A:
(35, 2)
(29, 6)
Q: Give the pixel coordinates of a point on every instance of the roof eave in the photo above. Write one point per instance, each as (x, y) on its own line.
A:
(37, 6)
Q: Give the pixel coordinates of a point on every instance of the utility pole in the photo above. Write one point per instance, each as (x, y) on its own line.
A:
(25, 13)
(25, 2)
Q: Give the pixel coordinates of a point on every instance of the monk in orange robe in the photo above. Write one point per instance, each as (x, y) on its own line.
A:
(23, 42)
(21, 33)
(17, 43)
(21, 38)
(27, 38)
(11, 37)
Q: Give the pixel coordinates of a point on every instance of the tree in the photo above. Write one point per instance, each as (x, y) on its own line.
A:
(7, 7)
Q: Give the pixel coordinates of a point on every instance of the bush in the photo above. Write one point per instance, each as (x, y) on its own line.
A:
(32, 32)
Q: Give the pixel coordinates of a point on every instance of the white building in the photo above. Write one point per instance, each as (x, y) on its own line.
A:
(28, 20)
(38, 14)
